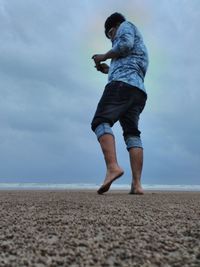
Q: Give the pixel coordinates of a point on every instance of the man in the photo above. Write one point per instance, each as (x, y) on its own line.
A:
(123, 99)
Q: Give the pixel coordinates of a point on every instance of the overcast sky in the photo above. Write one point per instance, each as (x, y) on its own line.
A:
(49, 90)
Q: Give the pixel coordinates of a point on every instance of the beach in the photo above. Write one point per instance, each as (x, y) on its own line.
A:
(81, 228)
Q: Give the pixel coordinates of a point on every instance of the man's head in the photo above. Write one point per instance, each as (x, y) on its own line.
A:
(112, 23)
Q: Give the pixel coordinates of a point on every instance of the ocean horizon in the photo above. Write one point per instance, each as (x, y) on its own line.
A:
(74, 186)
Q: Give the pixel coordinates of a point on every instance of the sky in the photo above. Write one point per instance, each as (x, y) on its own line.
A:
(49, 90)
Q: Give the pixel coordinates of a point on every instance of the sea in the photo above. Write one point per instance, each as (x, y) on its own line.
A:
(93, 186)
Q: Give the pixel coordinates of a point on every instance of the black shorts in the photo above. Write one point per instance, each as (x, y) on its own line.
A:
(123, 102)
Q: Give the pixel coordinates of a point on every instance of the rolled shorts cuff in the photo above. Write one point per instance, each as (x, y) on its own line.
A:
(133, 141)
(103, 128)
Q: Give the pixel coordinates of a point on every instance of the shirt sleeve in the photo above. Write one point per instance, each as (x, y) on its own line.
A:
(124, 39)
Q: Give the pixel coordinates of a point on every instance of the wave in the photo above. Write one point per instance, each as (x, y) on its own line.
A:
(165, 187)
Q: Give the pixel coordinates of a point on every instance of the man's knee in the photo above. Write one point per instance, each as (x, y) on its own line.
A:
(133, 141)
(103, 128)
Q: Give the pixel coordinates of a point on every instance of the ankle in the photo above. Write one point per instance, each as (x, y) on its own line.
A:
(112, 167)
(136, 183)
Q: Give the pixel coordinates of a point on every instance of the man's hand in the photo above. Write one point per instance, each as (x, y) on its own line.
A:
(98, 58)
(102, 67)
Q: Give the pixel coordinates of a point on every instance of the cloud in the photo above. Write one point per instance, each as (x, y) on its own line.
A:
(49, 90)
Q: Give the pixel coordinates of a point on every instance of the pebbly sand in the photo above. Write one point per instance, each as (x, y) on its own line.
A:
(82, 228)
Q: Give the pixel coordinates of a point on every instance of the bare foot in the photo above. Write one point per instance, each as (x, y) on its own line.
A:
(111, 176)
(136, 189)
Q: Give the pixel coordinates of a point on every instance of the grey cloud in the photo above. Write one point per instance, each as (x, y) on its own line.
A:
(49, 90)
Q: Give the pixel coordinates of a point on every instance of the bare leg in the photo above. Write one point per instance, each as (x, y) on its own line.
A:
(114, 171)
(136, 162)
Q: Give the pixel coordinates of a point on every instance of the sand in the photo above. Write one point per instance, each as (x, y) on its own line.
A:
(82, 228)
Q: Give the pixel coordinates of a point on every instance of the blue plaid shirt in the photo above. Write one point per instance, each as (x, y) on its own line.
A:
(132, 63)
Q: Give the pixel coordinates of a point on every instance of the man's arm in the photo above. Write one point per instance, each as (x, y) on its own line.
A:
(125, 39)
(98, 58)
(123, 45)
